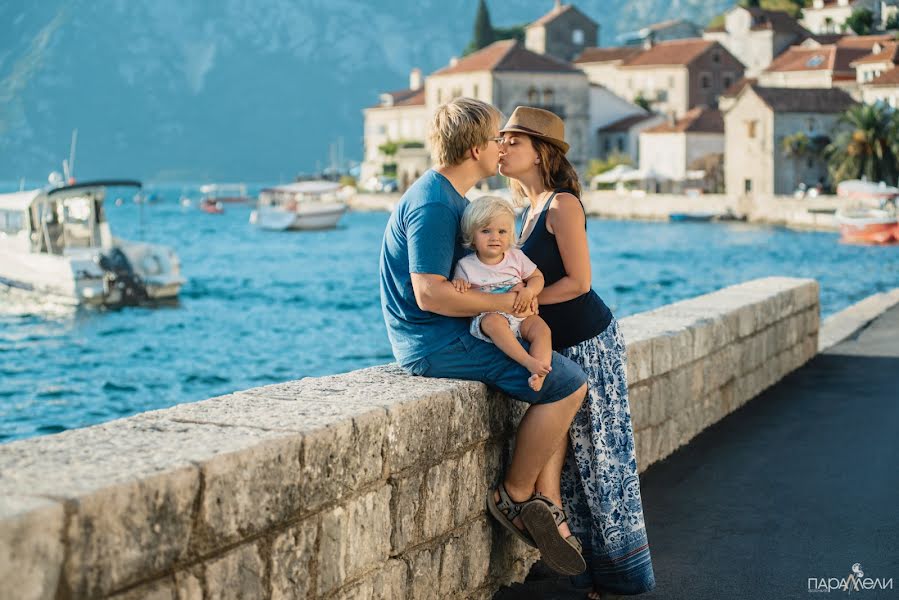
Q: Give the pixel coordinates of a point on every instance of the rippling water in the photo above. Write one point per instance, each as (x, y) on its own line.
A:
(262, 307)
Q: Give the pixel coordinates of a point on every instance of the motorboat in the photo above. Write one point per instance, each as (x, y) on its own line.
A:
(213, 207)
(55, 242)
(302, 205)
(861, 190)
(868, 225)
(225, 193)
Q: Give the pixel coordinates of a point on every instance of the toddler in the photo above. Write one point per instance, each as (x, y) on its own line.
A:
(496, 266)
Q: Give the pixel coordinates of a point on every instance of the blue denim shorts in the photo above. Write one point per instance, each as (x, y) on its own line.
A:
(473, 359)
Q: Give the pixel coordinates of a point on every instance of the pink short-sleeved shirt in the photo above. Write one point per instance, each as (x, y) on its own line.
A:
(495, 279)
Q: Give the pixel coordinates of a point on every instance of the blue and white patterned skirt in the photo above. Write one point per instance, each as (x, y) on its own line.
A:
(600, 484)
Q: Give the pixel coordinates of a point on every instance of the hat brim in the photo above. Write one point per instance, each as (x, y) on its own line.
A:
(560, 144)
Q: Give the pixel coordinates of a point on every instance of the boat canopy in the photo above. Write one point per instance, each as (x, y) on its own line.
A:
(18, 200)
(224, 188)
(858, 187)
(95, 184)
(305, 187)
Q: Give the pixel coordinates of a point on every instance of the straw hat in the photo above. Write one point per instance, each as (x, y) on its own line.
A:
(538, 123)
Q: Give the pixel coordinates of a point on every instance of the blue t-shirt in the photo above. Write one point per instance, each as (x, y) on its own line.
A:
(423, 236)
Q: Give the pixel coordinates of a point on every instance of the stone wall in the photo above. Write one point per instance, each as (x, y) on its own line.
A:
(365, 485)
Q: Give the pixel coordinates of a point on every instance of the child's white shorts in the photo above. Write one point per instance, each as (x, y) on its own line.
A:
(514, 324)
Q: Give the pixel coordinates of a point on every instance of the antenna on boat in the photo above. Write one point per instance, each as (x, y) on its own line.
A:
(71, 174)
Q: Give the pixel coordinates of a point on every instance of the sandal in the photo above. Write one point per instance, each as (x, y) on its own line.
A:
(506, 511)
(542, 519)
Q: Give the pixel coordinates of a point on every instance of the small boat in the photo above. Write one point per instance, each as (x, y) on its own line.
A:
(693, 217)
(56, 243)
(303, 205)
(226, 193)
(858, 189)
(213, 207)
(868, 225)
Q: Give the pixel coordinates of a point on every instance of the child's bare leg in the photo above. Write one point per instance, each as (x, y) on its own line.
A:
(496, 327)
(536, 331)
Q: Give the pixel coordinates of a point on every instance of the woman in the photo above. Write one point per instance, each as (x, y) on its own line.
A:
(600, 489)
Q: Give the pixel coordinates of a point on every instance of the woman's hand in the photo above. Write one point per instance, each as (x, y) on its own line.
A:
(461, 285)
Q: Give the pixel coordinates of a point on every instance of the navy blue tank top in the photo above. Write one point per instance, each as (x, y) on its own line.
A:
(572, 321)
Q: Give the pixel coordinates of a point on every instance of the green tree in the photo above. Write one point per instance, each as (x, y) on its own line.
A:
(861, 21)
(642, 102)
(893, 22)
(483, 30)
(388, 148)
(598, 166)
(866, 145)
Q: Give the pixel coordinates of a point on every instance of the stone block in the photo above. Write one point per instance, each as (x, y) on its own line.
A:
(291, 568)
(439, 490)
(471, 486)
(187, 584)
(661, 400)
(353, 538)
(418, 432)
(475, 544)
(31, 551)
(681, 397)
(451, 559)
(424, 572)
(639, 398)
(643, 446)
(405, 504)
(639, 360)
(661, 354)
(388, 582)
(237, 575)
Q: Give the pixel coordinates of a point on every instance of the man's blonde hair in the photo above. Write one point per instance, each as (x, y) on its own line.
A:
(458, 126)
(480, 212)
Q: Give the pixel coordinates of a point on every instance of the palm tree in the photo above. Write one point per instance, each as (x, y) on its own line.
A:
(866, 145)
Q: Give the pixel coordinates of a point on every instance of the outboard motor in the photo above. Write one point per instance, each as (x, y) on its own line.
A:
(120, 275)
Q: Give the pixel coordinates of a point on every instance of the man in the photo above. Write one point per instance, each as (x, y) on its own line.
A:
(428, 320)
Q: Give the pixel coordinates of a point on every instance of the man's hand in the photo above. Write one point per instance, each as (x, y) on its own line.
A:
(524, 299)
(461, 285)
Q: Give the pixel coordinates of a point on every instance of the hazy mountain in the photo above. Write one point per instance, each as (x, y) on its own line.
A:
(232, 89)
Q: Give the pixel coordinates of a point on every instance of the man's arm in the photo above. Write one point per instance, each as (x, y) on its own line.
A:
(434, 293)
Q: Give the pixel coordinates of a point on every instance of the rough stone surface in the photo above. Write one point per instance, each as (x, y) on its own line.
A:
(157, 590)
(237, 575)
(292, 561)
(31, 549)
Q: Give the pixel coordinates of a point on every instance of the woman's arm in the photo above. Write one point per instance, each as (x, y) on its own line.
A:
(566, 220)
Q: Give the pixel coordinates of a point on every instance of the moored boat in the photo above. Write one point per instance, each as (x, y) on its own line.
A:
(55, 242)
(868, 225)
(304, 205)
(211, 206)
(225, 193)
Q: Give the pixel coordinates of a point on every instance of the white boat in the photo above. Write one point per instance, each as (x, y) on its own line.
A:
(301, 205)
(868, 225)
(56, 243)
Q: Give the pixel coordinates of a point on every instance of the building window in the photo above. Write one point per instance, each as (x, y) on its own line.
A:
(577, 37)
(670, 81)
(705, 81)
(810, 162)
(747, 185)
(662, 95)
(532, 96)
(812, 124)
(457, 92)
(474, 93)
(607, 145)
(548, 97)
(439, 96)
(728, 80)
(716, 57)
(750, 128)
(620, 143)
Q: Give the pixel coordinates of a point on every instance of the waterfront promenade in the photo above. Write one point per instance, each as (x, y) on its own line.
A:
(799, 483)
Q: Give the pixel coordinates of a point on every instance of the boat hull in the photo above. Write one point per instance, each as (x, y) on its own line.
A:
(868, 226)
(305, 218)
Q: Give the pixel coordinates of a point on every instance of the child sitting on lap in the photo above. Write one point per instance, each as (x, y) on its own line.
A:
(488, 226)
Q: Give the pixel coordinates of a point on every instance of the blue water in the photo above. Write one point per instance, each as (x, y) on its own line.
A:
(263, 307)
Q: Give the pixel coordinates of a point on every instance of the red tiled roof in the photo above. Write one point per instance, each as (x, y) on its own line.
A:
(737, 87)
(776, 20)
(864, 42)
(803, 100)
(890, 78)
(557, 12)
(416, 99)
(626, 123)
(889, 53)
(407, 97)
(674, 52)
(507, 55)
(833, 57)
(700, 119)
(591, 55)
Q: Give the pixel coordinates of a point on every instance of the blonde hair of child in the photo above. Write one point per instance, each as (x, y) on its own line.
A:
(480, 212)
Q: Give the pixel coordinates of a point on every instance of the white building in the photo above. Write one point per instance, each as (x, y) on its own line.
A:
(829, 16)
(884, 88)
(669, 148)
(623, 136)
(606, 108)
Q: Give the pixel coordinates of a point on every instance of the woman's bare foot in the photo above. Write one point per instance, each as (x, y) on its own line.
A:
(594, 595)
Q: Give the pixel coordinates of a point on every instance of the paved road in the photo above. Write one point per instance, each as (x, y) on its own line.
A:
(802, 482)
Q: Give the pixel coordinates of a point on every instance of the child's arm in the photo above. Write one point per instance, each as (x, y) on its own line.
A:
(533, 285)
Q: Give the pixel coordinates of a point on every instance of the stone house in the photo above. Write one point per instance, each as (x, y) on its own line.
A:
(885, 88)
(607, 108)
(883, 57)
(506, 74)
(623, 136)
(400, 117)
(674, 29)
(669, 148)
(601, 65)
(756, 36)
(829, 16)
(564, 32)
(758, 122)
(675, 76)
